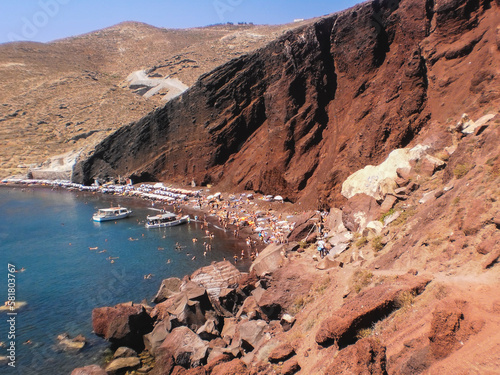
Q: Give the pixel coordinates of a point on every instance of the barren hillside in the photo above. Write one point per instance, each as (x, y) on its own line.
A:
(63, 95)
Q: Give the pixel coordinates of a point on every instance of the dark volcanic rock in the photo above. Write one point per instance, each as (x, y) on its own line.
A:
(123, 324)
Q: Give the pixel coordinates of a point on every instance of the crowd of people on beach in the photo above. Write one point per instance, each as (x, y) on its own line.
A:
(235, 213)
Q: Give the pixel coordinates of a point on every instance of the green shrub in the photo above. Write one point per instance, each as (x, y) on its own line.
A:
(388, 213)
(361, 279)
(364, 332)
(361, 242)
(377, 244)
(461, 170)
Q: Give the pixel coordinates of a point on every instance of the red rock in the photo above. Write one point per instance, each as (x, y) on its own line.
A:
(168, 288)
(123, 324)
(217, 276)
(445, 324)
(429, 165)
(487, 245)
(264, 121)
(236, 366)
(359, 211)
(250, 309)
(290, 367)
(401, 182)
(341, 327)
(187, 349)
(281, 353)
(303, 226)
(367, 356)
(164, 364)
(388, 203)
(89, 370)
(194, 371)
(223, 358)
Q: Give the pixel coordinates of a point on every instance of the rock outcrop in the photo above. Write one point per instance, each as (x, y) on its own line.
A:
(123, 324)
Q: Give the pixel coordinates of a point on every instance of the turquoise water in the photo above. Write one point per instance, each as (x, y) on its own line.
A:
(49, 233)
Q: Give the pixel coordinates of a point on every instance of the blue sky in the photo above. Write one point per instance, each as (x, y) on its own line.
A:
(46, 20)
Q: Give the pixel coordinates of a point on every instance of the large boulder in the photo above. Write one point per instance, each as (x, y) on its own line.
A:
(216, 277)
(334, 223)
(250, 309)
(185, 346)
(290, 367)
(303, 226)
(89, 370)
(359, 211)
(269, 260)
(209, 330)
(124, 352)
(229, 329)
(123, 325)
(121, 365)
(154, 339)
(168, 288)
(377, 181)
(187, 307)
(281, 353)
(251, 333)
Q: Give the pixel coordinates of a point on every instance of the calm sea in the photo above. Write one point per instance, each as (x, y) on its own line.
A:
(49, 233)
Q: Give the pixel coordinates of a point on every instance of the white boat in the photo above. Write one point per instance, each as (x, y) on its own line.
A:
(112, 213)
(168, 219)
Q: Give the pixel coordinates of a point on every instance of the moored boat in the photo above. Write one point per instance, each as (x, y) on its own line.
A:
(168, 219)
(112, 213)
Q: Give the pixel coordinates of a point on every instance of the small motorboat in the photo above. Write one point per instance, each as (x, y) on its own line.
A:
(168, 219)
(112, 213)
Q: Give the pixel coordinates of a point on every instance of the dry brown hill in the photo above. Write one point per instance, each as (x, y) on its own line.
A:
(66, 94)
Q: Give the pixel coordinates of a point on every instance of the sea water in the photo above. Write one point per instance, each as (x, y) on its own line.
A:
(50, 234)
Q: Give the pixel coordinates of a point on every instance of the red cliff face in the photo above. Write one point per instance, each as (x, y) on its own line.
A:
(297, 117)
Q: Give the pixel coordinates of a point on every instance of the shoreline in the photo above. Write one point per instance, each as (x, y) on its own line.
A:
(251, 214)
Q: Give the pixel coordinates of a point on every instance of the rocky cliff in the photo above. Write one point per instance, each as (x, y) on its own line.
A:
(298, 116)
